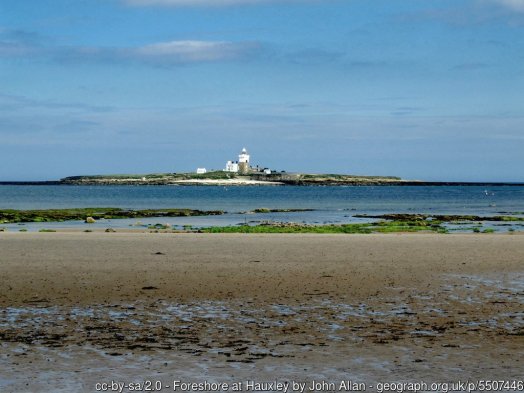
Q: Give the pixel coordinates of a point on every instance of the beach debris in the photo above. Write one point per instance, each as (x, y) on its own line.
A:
(110, 230)
(148, 288)
(120, 336)
(159, 253)
(90, 220)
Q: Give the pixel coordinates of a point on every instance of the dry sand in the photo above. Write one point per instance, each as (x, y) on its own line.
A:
(77, 308)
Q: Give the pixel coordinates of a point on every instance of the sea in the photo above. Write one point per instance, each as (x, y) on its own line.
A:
(329, 205)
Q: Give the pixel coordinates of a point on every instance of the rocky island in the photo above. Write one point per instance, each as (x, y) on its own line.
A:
(229, 178)
(236, 172)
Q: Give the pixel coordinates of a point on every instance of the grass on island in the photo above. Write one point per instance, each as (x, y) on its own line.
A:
(93, 214)
(153, 178)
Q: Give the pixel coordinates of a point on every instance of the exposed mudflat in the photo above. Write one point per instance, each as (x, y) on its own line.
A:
(78, 308)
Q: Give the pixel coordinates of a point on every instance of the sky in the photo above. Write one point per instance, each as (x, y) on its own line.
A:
(422, 89)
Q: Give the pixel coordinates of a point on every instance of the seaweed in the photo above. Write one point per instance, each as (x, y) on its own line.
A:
(95, 213)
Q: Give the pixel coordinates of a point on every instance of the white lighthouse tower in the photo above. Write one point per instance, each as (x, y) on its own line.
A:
(243, 156)
(243, 161)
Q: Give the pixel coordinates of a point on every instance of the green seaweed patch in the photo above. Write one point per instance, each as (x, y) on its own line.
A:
(159, 226)
(46, 230)
(408, 226)
(357, 228)
(510, 218)
(360, 228)
(59, 215)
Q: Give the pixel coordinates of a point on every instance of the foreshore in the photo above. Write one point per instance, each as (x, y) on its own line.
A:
(222, 307)
(65, 268)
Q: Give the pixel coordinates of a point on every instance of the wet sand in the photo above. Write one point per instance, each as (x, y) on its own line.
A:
(80, 308)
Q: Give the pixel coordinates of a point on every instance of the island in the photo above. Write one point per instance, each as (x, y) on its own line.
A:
(231, 178)
(240, 171)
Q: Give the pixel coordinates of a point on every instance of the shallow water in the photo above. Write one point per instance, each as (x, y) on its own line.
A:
(332, 205)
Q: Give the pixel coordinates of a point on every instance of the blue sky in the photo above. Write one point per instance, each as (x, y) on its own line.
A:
(421, 89)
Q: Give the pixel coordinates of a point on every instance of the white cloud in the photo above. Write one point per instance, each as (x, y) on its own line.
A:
(161, 53)
(191, 51)
(186, 3)
(517, 5)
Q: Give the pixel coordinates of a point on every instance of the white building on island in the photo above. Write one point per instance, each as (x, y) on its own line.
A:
(201, 171)
(232, 166)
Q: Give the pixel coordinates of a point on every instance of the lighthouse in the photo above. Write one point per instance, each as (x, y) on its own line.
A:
(243, 162)
(241, 166)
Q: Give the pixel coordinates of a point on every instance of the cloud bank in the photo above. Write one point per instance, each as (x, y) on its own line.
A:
(200, 3)
(191, 51)
(516, 5)
(161, 53)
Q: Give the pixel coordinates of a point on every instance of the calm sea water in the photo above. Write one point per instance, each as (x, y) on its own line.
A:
(331, 204)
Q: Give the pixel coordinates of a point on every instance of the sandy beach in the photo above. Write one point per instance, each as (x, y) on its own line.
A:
(81, 308)
(227, 182)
